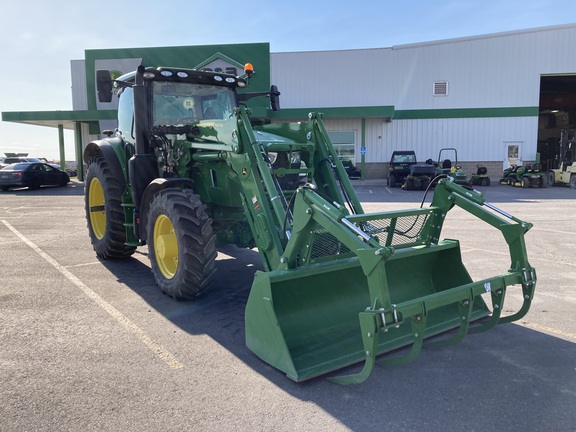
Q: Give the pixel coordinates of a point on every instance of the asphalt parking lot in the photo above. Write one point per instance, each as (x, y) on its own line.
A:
(94, 346)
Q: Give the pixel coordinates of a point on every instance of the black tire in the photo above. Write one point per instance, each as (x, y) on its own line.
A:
(526, 182)
(487, 181)
(551, 179)
(64, 180)
(35, 183)
(181, 243)
(409, 184)
(105, 223)
(573, 181)
(392, 180)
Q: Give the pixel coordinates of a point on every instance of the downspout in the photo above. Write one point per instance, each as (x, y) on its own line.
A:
(363, 153)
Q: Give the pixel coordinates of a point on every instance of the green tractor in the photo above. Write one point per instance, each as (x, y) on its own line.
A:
(449, 166)
(187, 170)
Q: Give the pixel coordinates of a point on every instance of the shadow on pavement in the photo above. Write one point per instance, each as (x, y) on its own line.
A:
(510, 378)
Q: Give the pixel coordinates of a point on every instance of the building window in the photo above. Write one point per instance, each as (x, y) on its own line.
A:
(345, 144)
(440, 88)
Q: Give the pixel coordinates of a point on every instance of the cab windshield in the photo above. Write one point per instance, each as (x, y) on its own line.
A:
(184, 103)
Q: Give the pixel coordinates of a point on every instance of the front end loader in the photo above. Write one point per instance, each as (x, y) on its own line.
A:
(187, 170)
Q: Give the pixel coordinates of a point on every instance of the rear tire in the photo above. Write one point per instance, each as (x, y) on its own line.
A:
(425, 183)
(104, 213)
(551, 179)
(409, 184)
(573, 181)
(181, 243)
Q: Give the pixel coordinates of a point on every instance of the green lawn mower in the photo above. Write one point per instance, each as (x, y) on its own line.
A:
(481, 177)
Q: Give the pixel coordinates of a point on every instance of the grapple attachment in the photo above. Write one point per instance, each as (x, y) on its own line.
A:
(352, 287)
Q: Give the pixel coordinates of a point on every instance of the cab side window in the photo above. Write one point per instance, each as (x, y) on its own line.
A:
(126, 114)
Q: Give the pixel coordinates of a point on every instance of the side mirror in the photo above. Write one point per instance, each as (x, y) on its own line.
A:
(104, 85)
(274, 98)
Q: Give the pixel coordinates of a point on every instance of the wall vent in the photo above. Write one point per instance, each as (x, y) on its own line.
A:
(440, 88)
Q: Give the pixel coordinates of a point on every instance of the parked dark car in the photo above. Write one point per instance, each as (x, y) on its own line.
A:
(32, 175)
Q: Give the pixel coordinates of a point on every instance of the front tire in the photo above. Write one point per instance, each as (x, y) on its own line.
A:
(35, 184)
(104, 213)
(573, 181)
(64, 180)
(526, 182)
(551, 178)
(181, 243)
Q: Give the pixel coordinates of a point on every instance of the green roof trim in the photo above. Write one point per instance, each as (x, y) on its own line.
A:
(455, 113)
(386, 111)
(55, 116)
(67, 119)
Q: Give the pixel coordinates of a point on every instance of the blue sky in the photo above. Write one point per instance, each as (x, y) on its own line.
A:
(38, 38)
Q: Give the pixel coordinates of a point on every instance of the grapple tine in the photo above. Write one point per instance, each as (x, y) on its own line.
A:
(465, 312)
(497, 297)
(418, 330)
(369, 328)
(528, 287)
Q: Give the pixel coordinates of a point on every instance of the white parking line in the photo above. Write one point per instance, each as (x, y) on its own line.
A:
(156, 348)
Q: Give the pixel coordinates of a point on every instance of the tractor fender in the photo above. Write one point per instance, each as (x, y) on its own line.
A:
(107, 149)
(155, 186)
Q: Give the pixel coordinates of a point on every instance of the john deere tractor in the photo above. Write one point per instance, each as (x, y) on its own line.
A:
(187, 170)
(450, 167)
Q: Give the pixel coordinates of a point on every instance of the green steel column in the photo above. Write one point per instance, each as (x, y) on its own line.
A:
(362, 155)
(78, 145)
(61, 143)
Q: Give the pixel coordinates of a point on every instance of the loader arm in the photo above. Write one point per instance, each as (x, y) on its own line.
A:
(266, 204)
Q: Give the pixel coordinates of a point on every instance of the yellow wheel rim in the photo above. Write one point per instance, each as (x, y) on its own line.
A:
(97, 208)
(165, 246)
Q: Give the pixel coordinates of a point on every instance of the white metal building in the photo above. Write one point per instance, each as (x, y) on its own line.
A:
(493, 97)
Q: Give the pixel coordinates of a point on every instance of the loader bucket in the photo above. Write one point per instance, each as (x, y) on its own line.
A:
(306, 323)
(352, 287)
